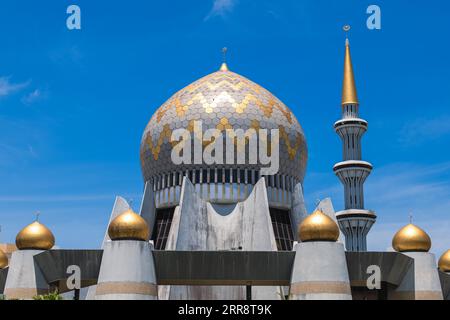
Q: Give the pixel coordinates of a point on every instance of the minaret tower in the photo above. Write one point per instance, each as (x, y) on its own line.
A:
(355, 222)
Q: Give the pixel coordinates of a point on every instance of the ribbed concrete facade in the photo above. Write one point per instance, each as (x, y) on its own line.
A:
(248, 227)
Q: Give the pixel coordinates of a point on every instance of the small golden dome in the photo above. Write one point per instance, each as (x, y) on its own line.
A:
(444, 262)
(3, 260)
(318, 227)
(35, 236)
(411, 238)
(129, 226)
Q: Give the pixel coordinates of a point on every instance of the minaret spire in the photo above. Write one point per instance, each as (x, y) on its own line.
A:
(349, 95)
(355, 221)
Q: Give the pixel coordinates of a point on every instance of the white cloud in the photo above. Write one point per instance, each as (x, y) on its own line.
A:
(396, 190)
(32, 97)
(425, 129)
(221, 8)
(401, 189)
(7, 87)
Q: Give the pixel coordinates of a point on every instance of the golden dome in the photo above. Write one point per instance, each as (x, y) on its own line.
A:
(129, 226)
(318, 227)
(411, 238)
(444, 262)
(35, 236)
(3, 260)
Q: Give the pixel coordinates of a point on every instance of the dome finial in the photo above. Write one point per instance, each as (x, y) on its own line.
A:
(349, 95)
(224, 66)
(346, 29)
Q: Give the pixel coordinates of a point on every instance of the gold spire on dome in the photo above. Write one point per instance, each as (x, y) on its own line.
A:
(3, 260)
(349, 95)
(411, 238)
(224, 66)
(35, 236)
(129, 226)
(444, 262)
(318, 227)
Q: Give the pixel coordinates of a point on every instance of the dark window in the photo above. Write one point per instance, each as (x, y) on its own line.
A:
(197, 176)
(227, 175)
(162, 227)
(282, 229)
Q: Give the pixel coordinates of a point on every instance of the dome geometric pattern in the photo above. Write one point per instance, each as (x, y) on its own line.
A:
(222, 100)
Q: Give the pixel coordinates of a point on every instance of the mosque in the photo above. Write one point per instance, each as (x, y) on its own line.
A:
(226, 231)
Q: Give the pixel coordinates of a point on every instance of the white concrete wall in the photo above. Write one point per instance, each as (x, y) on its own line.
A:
(25, 279)
(148, 210)
(320, 272)
(426, 285)
(326, 205)
(120, 206)
(198, 227)
(127, 272)
(298, 211)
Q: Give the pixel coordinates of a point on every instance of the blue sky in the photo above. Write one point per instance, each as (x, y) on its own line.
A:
(74, 104)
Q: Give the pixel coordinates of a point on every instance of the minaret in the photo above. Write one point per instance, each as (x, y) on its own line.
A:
(355, 222)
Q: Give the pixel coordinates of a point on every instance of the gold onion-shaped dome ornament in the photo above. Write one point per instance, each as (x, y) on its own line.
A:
(129, 226)
(444, 262)
(318, 227)
(411, 238)
(35, 236)
(3, 260)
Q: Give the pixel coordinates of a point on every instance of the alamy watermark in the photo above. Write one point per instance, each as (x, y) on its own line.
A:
(74, 280)
(73, 21)
(217, 147)
(374, 20)
(374, 280)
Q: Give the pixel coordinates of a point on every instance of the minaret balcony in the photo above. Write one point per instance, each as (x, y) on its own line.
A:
(351, 122)
(352, 164)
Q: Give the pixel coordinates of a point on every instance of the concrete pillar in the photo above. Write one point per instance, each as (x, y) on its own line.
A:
(424, 283)
(320, 272)
(298, 211)
(127, 271)
(25, 279)
(120, 205)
